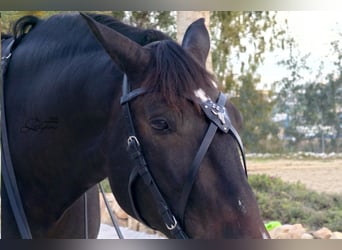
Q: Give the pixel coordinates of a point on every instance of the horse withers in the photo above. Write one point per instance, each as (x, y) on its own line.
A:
(81, 91)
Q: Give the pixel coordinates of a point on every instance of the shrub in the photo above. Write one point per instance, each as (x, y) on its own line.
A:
(294, 203)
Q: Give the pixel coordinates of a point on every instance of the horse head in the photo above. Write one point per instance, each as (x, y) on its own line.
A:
(198, 172)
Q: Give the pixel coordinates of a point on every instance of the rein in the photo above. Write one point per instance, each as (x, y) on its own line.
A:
(7, 170)
(219, 120)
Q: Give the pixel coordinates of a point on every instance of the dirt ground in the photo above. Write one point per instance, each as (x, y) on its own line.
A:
(319, 175)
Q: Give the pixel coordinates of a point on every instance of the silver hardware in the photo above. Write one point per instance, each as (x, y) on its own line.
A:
(7, 57)
(220, 115)
(133, 138)
(172, 226)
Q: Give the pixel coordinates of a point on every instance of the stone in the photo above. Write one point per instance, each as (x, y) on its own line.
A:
(288, 232)
(307, 236)
(133, 224)
(336, 236)
(323, 233)
(119, 213)
(146, 229)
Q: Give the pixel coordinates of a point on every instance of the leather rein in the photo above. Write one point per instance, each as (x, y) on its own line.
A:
(7, 170)
(219, 120)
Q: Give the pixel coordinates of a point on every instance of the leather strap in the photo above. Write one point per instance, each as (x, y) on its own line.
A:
(111, 214)
(6, 55)
(7, 170)
(194, 168)
(219, 119)
(196, 163)
(141, 169)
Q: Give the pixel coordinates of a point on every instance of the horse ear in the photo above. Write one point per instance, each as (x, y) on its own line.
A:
(127, 54)
(196, 41)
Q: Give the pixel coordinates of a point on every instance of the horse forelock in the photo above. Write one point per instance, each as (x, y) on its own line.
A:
(174, 74)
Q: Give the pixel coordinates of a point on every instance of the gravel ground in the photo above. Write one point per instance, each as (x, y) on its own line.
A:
(108, 232)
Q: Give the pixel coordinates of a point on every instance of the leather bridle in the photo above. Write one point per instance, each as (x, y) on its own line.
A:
(214, 111)
(219, 120)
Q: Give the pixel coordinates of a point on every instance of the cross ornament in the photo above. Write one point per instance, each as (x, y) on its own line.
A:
(220, 115)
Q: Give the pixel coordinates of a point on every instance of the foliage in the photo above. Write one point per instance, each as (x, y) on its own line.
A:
(106, 186)
(315, 103)
(259, 132)
(162, 20)
(294, 203)
(240, 40)
(9, 17)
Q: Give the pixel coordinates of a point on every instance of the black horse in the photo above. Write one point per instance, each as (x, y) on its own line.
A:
(68, 129)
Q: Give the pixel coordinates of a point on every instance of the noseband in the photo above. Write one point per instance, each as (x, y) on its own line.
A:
(219, 120)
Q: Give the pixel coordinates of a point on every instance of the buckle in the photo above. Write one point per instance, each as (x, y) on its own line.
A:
(173, 225)
(131, 139)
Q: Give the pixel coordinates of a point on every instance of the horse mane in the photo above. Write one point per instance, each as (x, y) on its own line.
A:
(139, 35)
(175, 74)
(142, 36)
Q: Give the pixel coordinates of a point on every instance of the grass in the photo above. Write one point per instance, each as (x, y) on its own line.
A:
(294, 203)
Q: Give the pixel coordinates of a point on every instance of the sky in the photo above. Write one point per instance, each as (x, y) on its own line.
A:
(313, 31)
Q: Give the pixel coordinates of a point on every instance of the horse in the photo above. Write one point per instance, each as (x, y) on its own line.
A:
(85, 100)
(72, 222)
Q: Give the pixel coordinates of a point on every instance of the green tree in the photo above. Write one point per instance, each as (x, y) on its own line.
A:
(311, 104)
(335, 95)
(240, 40)
(259, 133)
(9, 17)
(161, 20)
(290, 94)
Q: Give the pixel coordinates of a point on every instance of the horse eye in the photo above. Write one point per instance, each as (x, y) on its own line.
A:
(160, 124)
